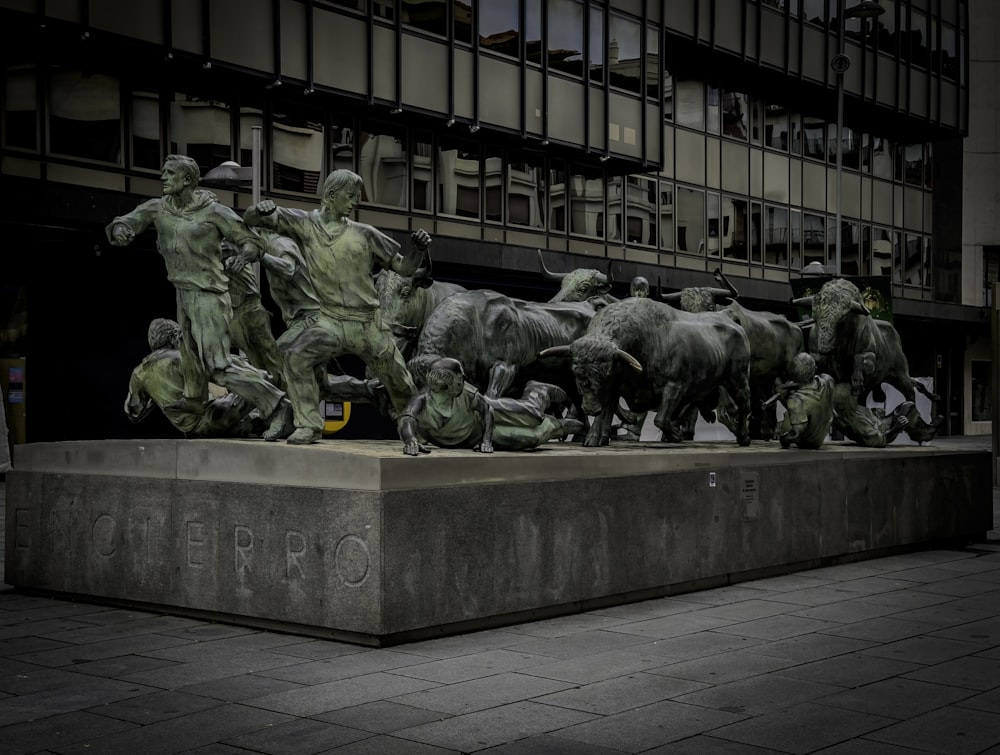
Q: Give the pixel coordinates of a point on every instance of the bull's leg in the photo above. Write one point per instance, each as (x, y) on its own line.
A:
(670, 401)
(600, 429)
(501, 379)
(738, 388)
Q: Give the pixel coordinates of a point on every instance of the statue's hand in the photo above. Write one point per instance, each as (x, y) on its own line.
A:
(122, 234)
(411, 448)
(486, 447)
(421, 239)
(265, 207)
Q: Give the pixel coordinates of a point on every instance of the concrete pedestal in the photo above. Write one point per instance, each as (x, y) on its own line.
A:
(354, 540)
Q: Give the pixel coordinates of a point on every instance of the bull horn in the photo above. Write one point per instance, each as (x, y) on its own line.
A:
(804, 301)
(720, 277)
(548, 273)
(673, 298)
(630, 360)
(555, 351)
(859, 309)
(722, 293)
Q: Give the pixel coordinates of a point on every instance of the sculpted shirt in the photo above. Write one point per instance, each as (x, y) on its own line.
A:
(189, 238)
(339, 262)
(462, 427)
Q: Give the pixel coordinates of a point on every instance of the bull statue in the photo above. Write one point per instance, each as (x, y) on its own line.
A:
(497, 338)
(407, 302)
(580, 284)
(775, 341)
(844, 340)
(659, 358)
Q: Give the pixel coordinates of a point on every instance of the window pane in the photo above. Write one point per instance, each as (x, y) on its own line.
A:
(735, 229)
(458, 178)
(652, 63)
(624, 53)
(881, 157)
(85, 116)
(755, 233)
(201, 129)
(666, 215)
(640, 210)
(342, 146)
(493, 183)
(814, 11)
(463, 21)
(526, 190)
(735, 114)
(533, 30)
(813, 239)
(427, 15)
(776, 236)
(949, 52)
(595, 54)
(499, 27)
(913, 172)
(814, 144)
(796, 242)
(713, 242)
(20, 115)
(382, 163)
(919, 50)
(146, 130)
(668, 96)
(882, 251)
(423, 172)
(849, 145)
(586, 196)
(689, 104)
(690, 220)
(713, 118)
(296, 149)
(557, 196)
(850, 248)
(913, 260)
(565, 42)
(866, 250)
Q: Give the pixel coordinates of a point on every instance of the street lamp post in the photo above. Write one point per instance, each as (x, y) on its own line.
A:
(839, 64)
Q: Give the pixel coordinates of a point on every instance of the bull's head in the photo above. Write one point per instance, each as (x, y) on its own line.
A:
(395, 293)
(833, 307)
(594, 361)
(580, 284)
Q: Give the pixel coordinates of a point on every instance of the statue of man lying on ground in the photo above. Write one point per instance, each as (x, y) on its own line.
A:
(452, 413)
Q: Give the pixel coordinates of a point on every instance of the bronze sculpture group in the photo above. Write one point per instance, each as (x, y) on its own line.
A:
(478, 369)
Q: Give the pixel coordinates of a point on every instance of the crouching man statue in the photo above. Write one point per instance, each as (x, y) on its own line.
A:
(452, 413)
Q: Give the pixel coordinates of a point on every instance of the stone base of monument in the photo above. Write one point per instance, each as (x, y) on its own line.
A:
(355, 541)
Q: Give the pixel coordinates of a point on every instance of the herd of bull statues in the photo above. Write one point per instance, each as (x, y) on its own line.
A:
(476, 369)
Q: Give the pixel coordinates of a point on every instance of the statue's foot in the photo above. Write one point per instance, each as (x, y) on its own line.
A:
(279, 424)
(552, 394)
(303, 436)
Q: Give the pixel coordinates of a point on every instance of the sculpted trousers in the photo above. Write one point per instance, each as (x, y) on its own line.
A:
(330, 337)
(204, 319)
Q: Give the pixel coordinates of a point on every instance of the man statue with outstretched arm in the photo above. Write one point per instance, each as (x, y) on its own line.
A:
(339, 255)
(190, 226)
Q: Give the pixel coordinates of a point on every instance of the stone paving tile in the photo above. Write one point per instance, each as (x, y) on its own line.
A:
(120, 666)
(803, 728)
(747, 610)
(549, 745)
(862, 746)
(652, 726)
(777, 627)
(216, 748)
(52, 610)
(845, 572)
(580, 644)
(925, 574)
(343, 667)
(811, 647)
(386, 745)
(984, 630)
(463, 644)
(316, 650)
(851, 670)
(488, 728)
(209, 669)
(566, 625)
(343, 693)
(176, 735)
(11, 667)
(706, 744)
(621, 693)
(977, 565)
(479, 694)
(238, 688)
(918, 559)
(987, 701)
(673, 626)
(156, 706)
(960, 587)
(56, 731)
(907, 600)
(301, 737)
(698, 645)
(813, 596)
(724, 667)
(969, 672)
(730, 594)
(951, 731)
(209, 632)
(649, 609)
(51, 628)
(382, 716)
(898, 698)
(466, 667)
(877, 585)
(882, 629)
(950, 614)
(111, 632)
(759, 694)
(595, 668)
(86, 692)
(926, 650)
(41, 679)
(95, 651)
(790, 582)
(846, 611)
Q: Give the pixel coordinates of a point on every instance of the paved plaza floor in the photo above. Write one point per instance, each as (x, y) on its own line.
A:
(892, 655)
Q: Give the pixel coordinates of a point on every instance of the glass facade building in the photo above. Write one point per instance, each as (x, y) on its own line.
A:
(665, 139)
